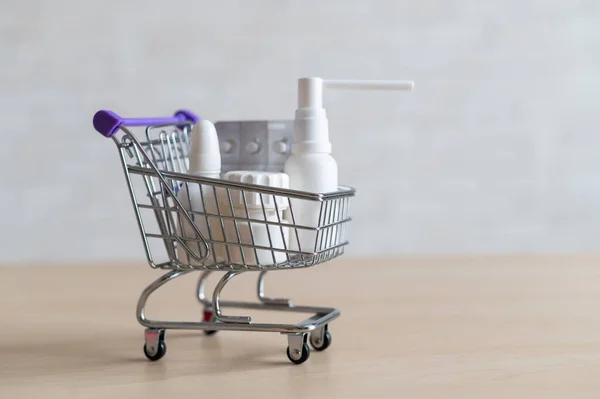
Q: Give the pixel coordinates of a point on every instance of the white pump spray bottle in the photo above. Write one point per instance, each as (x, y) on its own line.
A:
(310, 166)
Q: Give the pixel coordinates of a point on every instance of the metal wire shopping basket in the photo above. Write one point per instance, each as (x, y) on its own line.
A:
(172, 227)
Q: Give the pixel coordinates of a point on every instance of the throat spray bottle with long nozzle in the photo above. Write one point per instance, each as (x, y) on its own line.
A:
(311, 167)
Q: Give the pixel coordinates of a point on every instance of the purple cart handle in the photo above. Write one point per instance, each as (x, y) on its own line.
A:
(107, 123)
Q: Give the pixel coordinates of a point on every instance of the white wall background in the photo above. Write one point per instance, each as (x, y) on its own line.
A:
(496, 150)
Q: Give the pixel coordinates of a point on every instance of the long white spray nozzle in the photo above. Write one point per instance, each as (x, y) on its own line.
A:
(370, 84)
(310, 90)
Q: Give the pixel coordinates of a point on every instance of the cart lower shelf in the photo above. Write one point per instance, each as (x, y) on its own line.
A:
(313, 330)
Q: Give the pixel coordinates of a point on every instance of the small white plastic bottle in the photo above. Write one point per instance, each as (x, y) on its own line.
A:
(266, 211)
(205, 161)
(311, 166)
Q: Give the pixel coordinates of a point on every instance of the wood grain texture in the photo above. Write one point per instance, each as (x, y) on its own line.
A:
(439, 327)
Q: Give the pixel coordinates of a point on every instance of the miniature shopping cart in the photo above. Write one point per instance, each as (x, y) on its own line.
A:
(155, 166)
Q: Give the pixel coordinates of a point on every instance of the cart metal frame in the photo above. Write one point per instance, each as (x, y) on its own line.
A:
(160, 163)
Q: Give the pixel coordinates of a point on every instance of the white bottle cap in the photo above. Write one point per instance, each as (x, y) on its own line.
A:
(205, 156)
(270, 179)
(311, 131)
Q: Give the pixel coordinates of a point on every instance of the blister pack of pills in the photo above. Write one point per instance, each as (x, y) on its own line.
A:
(260, 145)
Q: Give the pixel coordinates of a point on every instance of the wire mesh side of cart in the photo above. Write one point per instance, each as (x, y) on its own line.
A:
(199, 227)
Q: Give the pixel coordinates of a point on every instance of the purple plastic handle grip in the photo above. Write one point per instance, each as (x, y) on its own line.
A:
(107, 123)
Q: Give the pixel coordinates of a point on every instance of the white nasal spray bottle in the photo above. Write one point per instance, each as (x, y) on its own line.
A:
(311, 167)
(205, 155)
(205, 161)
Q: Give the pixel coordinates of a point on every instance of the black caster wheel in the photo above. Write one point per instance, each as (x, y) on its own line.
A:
(318, 343)
(157, 353)
(299, 358)
(207, 317)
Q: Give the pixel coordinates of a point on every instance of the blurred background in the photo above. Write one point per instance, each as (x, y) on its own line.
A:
(496, 150)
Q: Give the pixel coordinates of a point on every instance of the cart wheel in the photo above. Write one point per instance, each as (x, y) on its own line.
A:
(154, 347)
(298, 358)
(320, 343)
(207, 317)
(157, 353)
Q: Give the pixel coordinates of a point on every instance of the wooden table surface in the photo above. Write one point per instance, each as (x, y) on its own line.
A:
(452, 327)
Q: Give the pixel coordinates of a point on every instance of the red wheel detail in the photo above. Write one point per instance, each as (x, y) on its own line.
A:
(208, 315)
